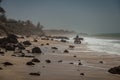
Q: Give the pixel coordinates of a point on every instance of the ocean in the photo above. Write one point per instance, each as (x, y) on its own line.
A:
(110, 45)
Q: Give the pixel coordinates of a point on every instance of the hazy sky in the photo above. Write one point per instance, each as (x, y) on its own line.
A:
(90, 16)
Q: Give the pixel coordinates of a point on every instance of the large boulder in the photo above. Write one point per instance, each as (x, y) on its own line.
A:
(114, 70)
(36, 50)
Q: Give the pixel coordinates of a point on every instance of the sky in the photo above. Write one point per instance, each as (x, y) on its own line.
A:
(85, 16)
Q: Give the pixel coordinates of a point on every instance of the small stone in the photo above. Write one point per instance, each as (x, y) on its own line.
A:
(30, 63)
(35, 74)
(48, 61)
(35, 60)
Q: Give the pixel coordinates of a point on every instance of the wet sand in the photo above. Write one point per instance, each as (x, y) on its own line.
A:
(68, 69)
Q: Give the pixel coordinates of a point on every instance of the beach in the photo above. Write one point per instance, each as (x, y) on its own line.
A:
(63, 66)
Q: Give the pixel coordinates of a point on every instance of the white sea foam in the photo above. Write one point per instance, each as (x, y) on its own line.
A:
(110, 46)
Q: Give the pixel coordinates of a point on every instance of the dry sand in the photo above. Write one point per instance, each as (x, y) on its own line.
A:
(92, 69)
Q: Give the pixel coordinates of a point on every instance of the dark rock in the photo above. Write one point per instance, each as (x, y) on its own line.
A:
(54, 48)
(27, 43)
(71, 63)
(10, 47)
(79, 63)
(48, 61)
(60, 61)
(63, 40)
(42, 44)
(29, 56)
(1, 68)
(35, 74)
(28, 51)
(30, 63)
(74, 56)
(101, 62)
(66, 51)
(35, 40)
(2, 53)
(7, 64)
(82, 74)
(35, 60)
(114, 70)
(47, 43)
(20, 46)
(36, 50)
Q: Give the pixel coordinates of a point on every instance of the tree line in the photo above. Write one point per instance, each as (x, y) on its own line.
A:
(12, 26)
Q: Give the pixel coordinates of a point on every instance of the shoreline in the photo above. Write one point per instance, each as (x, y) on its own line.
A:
(68, 69)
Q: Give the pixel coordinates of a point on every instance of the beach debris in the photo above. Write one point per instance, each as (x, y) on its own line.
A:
(30, 63)
(54, 48)
(114, 70)
(48, 61)
(60, 61)
(35, 60)
(36, 50)
(7, 64)
(101, 62)
(35, 73)
(27, 43)
(82, 74)
(66, 51)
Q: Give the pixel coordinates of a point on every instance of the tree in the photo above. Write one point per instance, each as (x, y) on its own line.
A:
(2, 19)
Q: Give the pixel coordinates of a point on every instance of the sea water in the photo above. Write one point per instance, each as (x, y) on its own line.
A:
(108, 45)
(100, 44)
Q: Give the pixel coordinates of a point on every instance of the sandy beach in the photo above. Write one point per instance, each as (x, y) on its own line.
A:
(63, 66)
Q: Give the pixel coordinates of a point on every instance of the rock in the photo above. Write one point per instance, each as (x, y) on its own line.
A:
(42, 44)
(27, 43)
(74, 56)
(60, 61)
(35, 40)
(30, 63)
(114, 70)
(7, 64)
(20, 46)
(71, 46)
(36, 50)
(1, 68)
(82, 74)
(10, 47)
(66, 51)
(48, 61)
(79, 63)
(35, 60)
(101, 62)
(2, 53)
(54, 48)
(35, 74)
(62, 40)
(71, 63)
(47, 43)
